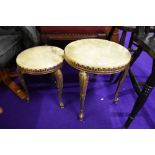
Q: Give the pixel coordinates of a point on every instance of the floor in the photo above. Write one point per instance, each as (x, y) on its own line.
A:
(43, 111)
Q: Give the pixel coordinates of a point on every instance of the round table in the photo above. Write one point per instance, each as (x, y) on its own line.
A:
(41, 60)
(96, 56)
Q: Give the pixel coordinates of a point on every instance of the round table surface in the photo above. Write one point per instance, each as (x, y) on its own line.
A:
(97, 55)
(40, 57)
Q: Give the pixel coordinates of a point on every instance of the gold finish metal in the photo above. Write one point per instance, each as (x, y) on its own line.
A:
(1, 110)
(121, 80)
(83, 77)
(39, 71)
(57, 73)
(59, 82)
(21, 70)
(85, 68)
(93, 69)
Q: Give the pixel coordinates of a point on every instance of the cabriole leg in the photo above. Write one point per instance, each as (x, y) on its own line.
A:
(83, 77)
(59, 82)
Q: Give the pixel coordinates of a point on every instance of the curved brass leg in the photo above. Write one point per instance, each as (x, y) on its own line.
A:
(22, 81)
(59, 82)
(121, 80)
(83, 77)
(1, 110)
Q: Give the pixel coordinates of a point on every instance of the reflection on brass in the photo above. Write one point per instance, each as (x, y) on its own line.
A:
(95, 70)
(83, 77)
(1, 110)
(59, 82)
(39, 71)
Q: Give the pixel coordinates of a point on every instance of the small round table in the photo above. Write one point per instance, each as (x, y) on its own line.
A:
(96, 56)
(41, 60)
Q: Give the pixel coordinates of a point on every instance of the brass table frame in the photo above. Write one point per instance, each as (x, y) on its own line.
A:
(55, 70)
(84, 78)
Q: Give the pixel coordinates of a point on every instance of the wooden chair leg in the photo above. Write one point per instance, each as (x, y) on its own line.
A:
(131, 41)
(5, 78)
(131, 74)
(122, 39)
(141, 99)
(109, 37)
(111, 77)
(22, 81)
(135, 55)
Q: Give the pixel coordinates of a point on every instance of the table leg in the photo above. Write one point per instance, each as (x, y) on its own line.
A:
(111, 77)
(5, 77)
(121, 80)
(83, 77)
(22, 81)
(94, 77)
(59, 82)
(1, 110)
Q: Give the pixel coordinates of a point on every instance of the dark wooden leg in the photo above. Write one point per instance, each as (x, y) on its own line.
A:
(94, 76)
(120, 83)
(118, 77)
(83, 77)
(6, 79)
(134, 82)
(131, 74)
(22, 81)
(131, 41)
(153, 65)
(59, 82)
(122, 39)
(141, 99)
(111, 77)
(109, 37)
(136, 55)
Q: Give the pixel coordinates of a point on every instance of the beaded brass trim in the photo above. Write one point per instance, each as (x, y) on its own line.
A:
(40, 71)
(94, 69)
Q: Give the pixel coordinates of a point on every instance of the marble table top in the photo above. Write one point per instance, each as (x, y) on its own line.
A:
(40, 57)
(97, 54)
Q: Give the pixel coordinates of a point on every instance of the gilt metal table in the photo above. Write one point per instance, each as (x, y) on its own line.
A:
(41, 60)
(96, 56)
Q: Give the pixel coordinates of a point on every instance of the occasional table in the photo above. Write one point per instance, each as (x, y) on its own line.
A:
(96, 56)
(41, 60)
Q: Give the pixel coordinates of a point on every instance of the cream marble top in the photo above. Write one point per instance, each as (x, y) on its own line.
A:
(40, 57)
(97, 53)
